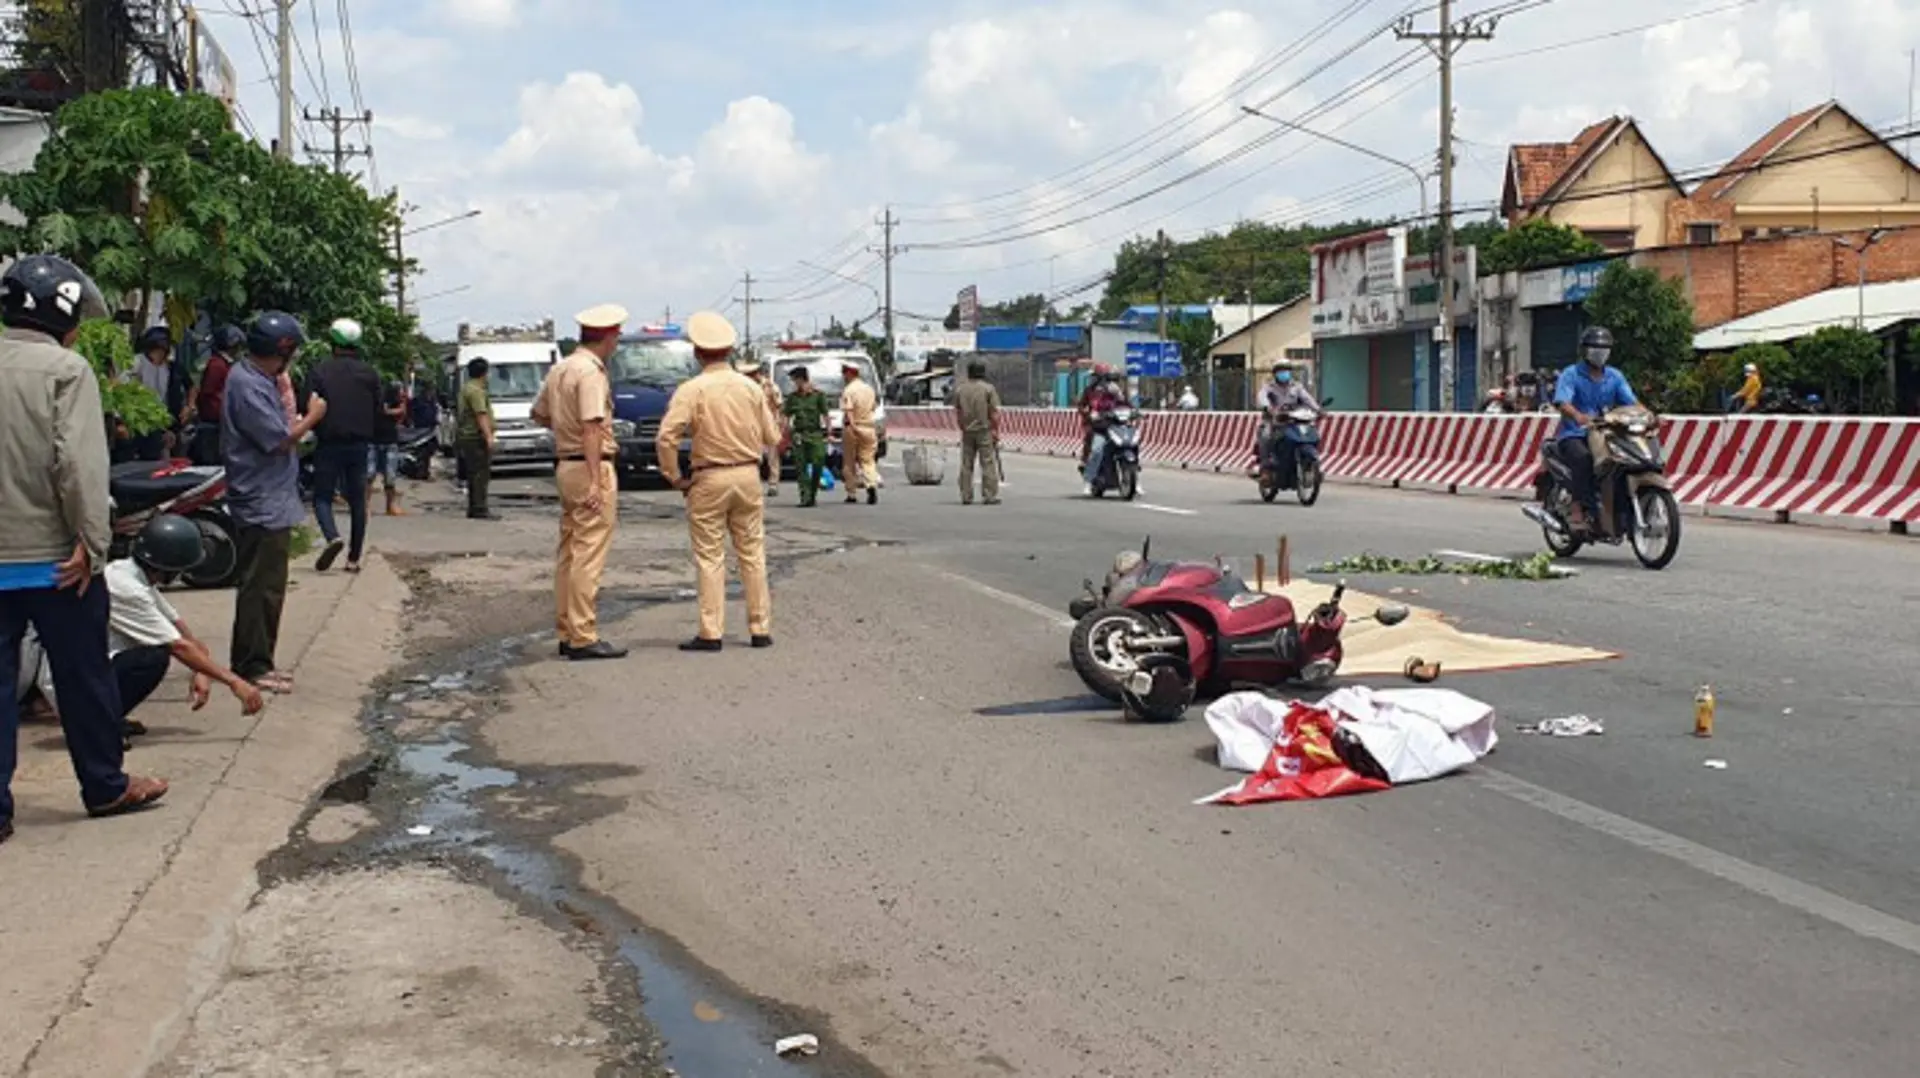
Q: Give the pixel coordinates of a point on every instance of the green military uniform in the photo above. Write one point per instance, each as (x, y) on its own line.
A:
(471, 443)
(806, 414)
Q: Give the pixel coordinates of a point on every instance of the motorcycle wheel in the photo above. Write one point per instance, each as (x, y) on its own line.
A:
(1091, 648)
(1308, 489)
(1170, 694)
(1657, 505)
(1129, 481)
(1269, 486)
(221, 566)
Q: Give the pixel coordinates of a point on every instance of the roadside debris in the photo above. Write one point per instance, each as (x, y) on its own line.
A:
(800, 1044)
(1538, 567)
(1565, 726)
(1421, 672)
(1357, 740)
(1717, 765)
(420, 830)
(1704, 706)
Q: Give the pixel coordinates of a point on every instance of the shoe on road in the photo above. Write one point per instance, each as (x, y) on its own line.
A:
(484, 514)
(599, 649)
(762, 640)
(330, 554)
(700, 643)
(873, 495)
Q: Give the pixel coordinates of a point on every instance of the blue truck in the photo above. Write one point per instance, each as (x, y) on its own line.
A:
(650, 364)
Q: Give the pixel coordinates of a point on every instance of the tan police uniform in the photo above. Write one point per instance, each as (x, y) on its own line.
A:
(859, 441)
(576, 404)
(976, 406)
(725, 414)
(764, 379)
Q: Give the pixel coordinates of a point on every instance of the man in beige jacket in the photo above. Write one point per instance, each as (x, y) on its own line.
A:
(55, 527)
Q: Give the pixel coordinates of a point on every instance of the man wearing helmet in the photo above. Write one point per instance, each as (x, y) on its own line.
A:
(54, 530)
(352, 392)
(229, 342)
(145, 633)
(263, 491)
(1586, 390)
(1100, 396)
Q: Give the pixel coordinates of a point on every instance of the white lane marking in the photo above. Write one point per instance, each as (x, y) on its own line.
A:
(1018, 602)
(1805, 897)
(1152, 508)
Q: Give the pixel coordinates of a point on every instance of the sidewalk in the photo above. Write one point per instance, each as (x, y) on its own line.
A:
(115, 928)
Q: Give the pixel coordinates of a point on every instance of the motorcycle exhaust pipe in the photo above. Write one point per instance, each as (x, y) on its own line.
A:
(1139, 642)
(1539, 515)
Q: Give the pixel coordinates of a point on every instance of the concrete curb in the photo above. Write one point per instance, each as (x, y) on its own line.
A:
(136, 1000)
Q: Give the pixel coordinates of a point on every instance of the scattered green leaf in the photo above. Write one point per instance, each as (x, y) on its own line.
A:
(1538, 567)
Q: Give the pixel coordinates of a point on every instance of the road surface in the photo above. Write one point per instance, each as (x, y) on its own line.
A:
(903, 818)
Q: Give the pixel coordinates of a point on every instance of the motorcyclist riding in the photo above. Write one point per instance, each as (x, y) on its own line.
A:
(1586, 391)
(1278, 397)
(1102, 396)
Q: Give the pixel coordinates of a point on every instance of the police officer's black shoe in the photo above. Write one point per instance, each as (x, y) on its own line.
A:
(700, 643)
(566, 650)
(762, 640)
(599, 649)
(6, 830)
(873, 495)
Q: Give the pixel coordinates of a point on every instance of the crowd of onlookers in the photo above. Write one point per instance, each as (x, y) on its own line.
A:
(84, 638)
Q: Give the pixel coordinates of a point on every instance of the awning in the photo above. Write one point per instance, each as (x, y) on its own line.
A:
(1882, 305)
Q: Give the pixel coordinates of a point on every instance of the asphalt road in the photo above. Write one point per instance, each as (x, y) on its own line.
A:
(890, 817)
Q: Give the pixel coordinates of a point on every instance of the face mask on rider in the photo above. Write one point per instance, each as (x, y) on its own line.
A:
(1597, 357)
(1283, 377)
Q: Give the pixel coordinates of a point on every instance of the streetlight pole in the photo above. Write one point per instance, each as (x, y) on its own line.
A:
(400, 252)
(1419, 177)
(1860, 311)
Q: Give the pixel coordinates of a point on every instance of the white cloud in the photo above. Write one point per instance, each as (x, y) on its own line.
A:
(586, 128)
(754, 152)
(414, 128)
(483, 14)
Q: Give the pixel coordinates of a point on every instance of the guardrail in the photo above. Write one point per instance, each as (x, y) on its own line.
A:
(1840, 468)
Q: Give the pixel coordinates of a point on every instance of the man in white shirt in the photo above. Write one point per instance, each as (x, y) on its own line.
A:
(145, 633)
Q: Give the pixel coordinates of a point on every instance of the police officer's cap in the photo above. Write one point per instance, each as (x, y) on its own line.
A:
(605, 316)
(711, 332)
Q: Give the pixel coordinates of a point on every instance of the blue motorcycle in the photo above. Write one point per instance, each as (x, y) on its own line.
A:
(1116, 455)
(1290, 456)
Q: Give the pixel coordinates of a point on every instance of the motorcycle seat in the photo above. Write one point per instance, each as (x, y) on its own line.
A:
(135, 487)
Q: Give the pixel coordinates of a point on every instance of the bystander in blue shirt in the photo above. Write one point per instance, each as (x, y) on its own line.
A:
(263, 467)
(1593, 393)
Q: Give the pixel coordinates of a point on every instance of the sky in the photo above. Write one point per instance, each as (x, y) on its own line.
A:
(652, 154)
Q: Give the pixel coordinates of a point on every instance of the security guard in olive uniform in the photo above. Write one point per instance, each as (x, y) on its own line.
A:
(860, 440)
(976, 407)
(806, 410)
(576, 404)
(726, 415)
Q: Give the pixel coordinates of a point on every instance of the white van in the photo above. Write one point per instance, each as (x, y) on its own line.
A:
(515, 372)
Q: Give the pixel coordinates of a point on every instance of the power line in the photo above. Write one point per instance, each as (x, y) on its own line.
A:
(320, 50)
(1503, 57)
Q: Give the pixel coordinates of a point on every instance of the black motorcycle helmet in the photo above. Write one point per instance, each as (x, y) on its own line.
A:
(169, 545)
(155, 338)
(1597, 339)
(50, 294)
(275, 334)
(229, 339)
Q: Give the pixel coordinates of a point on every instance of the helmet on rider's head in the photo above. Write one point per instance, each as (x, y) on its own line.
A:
(50, 294)
(345, 333)
(155, 339)
(1596, 345)
(169, 545)
(229, 339)
(275, 335)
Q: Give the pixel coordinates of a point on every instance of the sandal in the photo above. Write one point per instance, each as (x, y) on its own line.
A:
(1420, 672)
(275, 682)
(141, 793)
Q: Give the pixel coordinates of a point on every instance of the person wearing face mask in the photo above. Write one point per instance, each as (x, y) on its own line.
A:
(1586, 390)
(1277, 398)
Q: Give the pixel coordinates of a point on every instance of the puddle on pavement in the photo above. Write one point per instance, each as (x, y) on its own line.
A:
(710, 1030)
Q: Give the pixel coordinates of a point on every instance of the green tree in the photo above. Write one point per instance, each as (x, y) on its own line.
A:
(1652, 324)
(1846, 366)
(106, 346)
(1536, 243)
(1195, 337)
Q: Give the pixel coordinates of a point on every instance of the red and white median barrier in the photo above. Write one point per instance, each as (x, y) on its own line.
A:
(1866, 469)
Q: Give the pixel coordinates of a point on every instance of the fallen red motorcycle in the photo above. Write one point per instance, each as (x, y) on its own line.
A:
(1158, 633)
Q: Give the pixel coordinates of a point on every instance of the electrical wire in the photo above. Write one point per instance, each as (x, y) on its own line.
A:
(1503, 57)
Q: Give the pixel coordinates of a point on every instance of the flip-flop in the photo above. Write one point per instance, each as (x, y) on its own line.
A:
(328, 555)
(277, 683)
(141, 793)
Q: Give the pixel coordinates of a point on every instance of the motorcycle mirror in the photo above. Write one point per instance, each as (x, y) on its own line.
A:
(1392, 614)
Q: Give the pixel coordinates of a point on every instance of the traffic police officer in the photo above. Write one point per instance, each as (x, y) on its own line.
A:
(976, 407)
(726, 415)
(859, 439)
(576, 404)
(806, 410)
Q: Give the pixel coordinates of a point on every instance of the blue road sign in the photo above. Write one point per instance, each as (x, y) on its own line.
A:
(1154, 359)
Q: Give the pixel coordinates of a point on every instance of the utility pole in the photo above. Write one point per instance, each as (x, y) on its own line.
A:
(284, 147)
(337, 123)
(746, 305)
(887, 251)
(1443, 44)
(399, 255)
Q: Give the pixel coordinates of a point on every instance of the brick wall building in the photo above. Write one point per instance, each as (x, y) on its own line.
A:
(1732, 280)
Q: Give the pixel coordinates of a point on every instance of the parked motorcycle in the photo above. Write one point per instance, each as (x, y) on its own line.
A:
(143, 489)
(1120, 464)
(1156, 633)
(1637, 505)
(1290, 456)
(416, 447)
